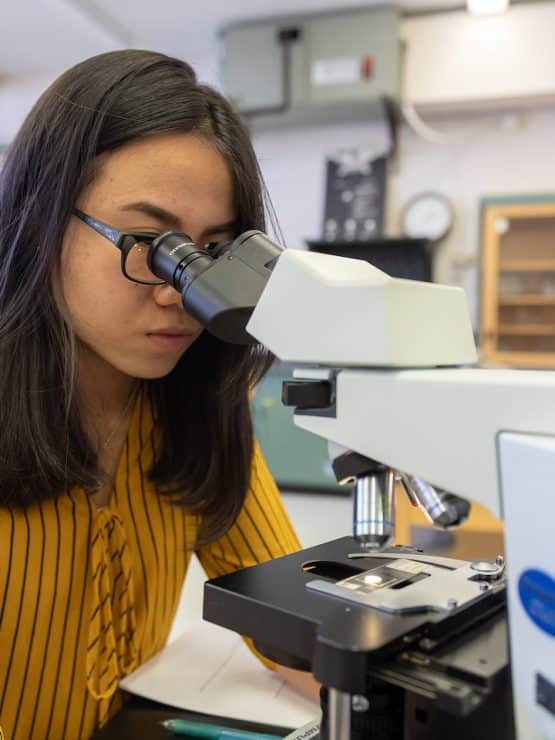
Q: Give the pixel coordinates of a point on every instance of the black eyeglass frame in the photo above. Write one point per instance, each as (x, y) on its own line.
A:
(119, 239)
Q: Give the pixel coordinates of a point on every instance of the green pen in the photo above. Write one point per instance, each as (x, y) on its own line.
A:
(212, 732)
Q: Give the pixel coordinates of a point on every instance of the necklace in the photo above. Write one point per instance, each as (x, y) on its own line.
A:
(122, 416)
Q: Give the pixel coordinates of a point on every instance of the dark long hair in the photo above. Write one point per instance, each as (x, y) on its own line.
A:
(203, 404)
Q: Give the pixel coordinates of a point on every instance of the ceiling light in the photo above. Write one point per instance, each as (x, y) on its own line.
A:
(487, 7)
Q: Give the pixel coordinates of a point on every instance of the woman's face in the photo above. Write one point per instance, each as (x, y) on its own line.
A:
(175, 182)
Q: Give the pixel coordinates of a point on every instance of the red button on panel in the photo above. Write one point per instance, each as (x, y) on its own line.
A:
(367, 67)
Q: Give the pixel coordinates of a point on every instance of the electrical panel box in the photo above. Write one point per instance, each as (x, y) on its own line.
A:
(328, 67)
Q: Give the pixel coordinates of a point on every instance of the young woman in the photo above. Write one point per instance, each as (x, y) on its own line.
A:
(126, 441)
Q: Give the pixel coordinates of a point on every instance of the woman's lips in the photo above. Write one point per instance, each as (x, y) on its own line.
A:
(169, 341)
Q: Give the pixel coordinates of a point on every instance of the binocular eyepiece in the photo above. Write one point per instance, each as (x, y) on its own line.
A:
(175, 258)
(220, 284)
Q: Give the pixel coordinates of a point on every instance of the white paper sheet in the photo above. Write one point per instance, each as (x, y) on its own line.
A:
(210, 669)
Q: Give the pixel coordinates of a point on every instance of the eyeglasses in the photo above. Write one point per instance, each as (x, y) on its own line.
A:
(134, 248)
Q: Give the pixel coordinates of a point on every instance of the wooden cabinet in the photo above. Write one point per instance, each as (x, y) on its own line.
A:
(479, 537)
(518, 284)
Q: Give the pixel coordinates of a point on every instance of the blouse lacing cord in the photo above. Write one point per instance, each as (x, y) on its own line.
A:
(111, 649)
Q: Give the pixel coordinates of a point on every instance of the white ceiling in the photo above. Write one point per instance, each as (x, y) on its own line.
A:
(43, 37)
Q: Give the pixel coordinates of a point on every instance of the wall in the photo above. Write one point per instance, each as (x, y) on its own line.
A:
(455, 58)
(16, 98)
(479, 156)
(455, 65)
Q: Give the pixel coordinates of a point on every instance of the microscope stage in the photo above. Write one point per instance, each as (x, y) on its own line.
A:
(460, 648)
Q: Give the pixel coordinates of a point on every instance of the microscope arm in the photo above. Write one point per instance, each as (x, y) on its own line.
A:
(443, 425)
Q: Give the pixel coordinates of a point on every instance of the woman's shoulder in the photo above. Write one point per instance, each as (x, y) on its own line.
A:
(70, 509)
(261, 475)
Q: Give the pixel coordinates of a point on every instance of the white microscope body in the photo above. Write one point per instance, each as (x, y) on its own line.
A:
(397, 352)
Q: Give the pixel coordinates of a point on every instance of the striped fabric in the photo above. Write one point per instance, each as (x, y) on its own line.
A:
(87, 594)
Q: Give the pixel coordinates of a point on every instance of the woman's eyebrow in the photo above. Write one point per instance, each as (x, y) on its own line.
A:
(161, 214)
(157, 212)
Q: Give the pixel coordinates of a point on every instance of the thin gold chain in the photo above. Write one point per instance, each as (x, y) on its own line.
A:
(121, 418)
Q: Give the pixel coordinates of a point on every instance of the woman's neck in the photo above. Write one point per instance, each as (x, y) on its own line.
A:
(105, 392)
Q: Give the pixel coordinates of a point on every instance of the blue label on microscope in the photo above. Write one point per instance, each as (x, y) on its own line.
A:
(537, 594)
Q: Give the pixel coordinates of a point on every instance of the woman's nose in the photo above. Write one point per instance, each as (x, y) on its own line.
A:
(167, 295)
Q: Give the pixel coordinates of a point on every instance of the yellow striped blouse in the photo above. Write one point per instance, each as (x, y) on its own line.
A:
(87, 594)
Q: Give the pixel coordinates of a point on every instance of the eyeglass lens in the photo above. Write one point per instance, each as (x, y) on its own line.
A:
(136, 263)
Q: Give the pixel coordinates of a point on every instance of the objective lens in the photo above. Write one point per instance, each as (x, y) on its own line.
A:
(443, 509)
(374, 510)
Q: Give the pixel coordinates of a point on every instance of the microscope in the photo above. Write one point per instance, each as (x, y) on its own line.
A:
(417, 644)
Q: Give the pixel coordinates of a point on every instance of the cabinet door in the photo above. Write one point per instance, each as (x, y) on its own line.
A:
(518, 285)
